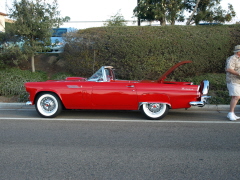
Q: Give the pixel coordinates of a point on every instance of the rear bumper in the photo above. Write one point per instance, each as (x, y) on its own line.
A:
(200, 103)
(204, 87)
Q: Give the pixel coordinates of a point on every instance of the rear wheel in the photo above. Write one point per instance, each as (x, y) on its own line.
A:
(48, 105)
(154, 111)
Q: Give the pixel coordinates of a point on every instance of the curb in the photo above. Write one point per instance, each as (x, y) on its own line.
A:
(214, 108)
(14, 106)
(205, 108)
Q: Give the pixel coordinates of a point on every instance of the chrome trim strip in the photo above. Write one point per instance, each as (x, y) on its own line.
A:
(74, 86)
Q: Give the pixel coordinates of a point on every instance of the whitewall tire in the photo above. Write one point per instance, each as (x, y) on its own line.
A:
(154, 111)
(48, 105)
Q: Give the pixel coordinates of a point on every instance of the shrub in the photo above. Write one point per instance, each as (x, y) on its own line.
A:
(11, 56)
(12, 81)
(146, 52)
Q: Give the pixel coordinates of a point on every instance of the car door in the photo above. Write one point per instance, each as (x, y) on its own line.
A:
(114, 95)
(76, 94)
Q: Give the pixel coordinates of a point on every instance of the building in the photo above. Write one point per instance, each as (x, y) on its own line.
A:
(2, 22)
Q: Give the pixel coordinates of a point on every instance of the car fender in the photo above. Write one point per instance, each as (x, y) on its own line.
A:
(46, 90)
(154, 98)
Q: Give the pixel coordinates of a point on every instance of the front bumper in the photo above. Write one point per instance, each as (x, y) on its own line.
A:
(29, 103)
(201, 103)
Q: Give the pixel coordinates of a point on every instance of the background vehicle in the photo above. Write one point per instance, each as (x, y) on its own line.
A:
(57, 40)
(104, 92)
(15, 41)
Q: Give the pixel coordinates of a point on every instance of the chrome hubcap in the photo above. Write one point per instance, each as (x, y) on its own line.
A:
(47, 104)
(154, 107)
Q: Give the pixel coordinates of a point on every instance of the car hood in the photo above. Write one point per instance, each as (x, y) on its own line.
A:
(164, 76)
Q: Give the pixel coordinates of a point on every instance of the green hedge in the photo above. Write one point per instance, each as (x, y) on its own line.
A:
(146, 52)
(12, 81)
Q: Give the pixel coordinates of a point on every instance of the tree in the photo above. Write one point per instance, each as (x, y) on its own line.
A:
(116, 20)
(193, 12)
(61, 20)
(34, 20)
(172, 11)
(160, 10)
(208, 11)
(10, 51)
(175, 11)
(219, 15)
(150, 10)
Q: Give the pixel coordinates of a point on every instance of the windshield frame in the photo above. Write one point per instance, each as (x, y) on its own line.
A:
(104, 74)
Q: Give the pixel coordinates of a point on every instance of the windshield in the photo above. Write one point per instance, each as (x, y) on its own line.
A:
(97, 76)
(104, 74)
(59, 32)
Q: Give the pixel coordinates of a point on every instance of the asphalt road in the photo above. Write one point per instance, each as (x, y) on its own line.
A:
(118, 145)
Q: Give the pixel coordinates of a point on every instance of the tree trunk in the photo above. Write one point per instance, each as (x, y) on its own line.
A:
(139, 20)
(33, 64)
(195, 9)
(162, 21)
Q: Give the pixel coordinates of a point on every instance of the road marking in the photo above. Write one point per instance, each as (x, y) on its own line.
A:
(121, 120)
(17, 109)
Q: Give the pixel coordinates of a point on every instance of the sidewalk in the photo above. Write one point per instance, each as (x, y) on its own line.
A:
(205, 108)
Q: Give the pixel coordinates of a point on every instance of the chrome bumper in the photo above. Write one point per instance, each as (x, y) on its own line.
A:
(29, 103)
(200, 103)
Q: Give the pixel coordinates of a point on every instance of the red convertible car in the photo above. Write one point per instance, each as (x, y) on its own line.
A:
(102, 91)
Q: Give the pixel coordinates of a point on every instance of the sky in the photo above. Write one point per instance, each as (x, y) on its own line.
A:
(84, 12)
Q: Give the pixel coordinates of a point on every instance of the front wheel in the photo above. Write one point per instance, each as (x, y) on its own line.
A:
(48, 105)
(154, 111)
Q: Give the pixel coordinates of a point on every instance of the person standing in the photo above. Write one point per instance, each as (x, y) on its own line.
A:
(233, 81)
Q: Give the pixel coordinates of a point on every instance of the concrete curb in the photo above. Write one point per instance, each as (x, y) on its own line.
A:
(212, 108)
(14, 106)
(205, 108)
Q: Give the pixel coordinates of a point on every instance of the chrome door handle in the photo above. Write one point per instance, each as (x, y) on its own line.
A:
(130, 86)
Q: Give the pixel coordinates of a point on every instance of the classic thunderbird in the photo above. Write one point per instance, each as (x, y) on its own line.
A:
(102, 91)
